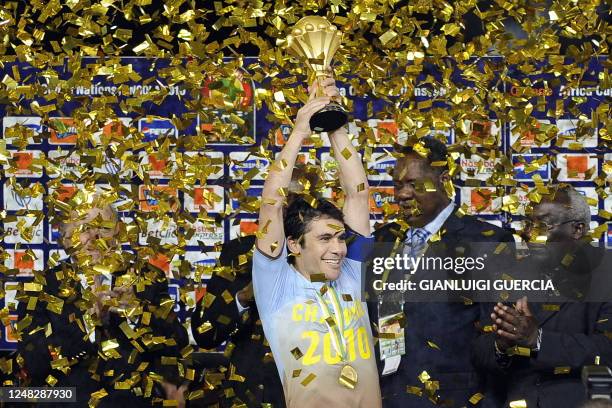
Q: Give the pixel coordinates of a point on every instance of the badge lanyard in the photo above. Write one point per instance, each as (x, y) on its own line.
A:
(335, 323)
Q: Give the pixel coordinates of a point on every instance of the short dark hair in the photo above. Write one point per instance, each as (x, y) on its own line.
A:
(436, 151)
(300, 214)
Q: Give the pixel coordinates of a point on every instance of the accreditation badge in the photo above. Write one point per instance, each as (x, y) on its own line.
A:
(391, 341)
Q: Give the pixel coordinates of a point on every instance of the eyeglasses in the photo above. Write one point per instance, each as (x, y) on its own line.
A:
(534, 225)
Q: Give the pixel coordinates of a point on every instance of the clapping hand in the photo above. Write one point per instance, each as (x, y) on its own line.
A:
(514, 325)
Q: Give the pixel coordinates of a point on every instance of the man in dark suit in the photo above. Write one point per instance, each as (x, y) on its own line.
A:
(435, 369)
(568, 328)
(101, 321)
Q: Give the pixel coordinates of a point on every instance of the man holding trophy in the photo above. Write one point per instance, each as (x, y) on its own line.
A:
(306, 283)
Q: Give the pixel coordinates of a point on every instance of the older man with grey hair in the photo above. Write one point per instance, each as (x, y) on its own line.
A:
(535, 351)
(102, 320)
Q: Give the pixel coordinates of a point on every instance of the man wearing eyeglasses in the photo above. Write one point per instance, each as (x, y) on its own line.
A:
(536, 350)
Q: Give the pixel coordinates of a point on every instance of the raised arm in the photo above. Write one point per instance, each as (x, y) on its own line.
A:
(271, 234)
(353, 179)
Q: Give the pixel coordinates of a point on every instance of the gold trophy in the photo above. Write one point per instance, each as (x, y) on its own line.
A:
(316, 40)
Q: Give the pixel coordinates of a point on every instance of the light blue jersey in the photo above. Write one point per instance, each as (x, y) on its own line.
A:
(308, 363)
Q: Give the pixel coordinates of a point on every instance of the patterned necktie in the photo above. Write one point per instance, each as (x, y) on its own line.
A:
(416, 242)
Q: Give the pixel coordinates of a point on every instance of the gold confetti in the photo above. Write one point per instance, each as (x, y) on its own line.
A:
(424, 377)
(318, 277)
(476, 398)
(414, 390)
(562, 370)
(297, 354)
(519, 351)
(227, 297)
(309, 378)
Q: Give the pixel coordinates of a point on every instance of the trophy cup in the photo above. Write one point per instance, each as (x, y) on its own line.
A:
(315, 40)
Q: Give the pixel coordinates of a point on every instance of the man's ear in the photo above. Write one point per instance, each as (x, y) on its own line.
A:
(294, 245)
(579, 230)
(444, 177)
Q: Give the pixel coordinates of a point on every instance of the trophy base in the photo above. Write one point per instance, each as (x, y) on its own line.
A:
(333, 116)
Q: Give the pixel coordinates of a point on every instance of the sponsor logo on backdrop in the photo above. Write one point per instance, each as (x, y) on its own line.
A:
(203, 261)
(528, 92)
(576, 167)
(10, 335)
(154, 128)
(157, 166)
(208, 234)
(476, 167)
(527, 138)
(111, 166)
(242, 163)
(251, 192)
(23, 261)
(379, 196)
(483, 132)
(62, 131)
(114, 128)
(239, 96)
(523, 202)
(63, 163)
(53, 233)
(12, 233)
(386, 132)
(21, 164)
(382, 165)
(13, 201)
(233, 98)
(567, 132)
(609, 236)
(211, 198)
(216, 162)
(329, 166)
(585, 91)
(151, 197)
(175, 295)
(447, 134)
(65, 192)
(608, 203)
(157, 230)
(525, 172)
(162, 262)
(480, 200)
(245, 227)
(125, 201)
(31, 122)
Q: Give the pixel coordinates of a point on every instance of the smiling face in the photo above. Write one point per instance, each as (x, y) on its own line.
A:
(410, 178)
(92, 234)
(321, 249)
(549, 224)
